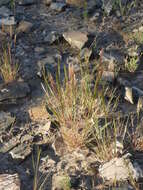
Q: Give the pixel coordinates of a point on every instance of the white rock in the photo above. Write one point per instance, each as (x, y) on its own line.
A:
(119, 169)
(76, 39)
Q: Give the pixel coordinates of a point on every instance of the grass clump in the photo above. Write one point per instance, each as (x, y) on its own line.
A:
(132, 64)
(74, 105)
(8, 68)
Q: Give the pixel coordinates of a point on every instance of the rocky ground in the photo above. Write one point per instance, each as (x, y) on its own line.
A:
(41, 34)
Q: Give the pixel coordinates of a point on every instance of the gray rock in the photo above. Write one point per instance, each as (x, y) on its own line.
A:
(5, 12)
(26, 2)
(114, 60)
(13, 91)
(119, 169)
(132, 94)
(85, 54)
(61, 181)
(57, 6)
(76, 39)
(3, 2)
(5, 121)
(108, 76)
(7, 146)
(52, 37)
(21, 151)
(108, 6)
(48, 2)
(10, 182)
(24, 26)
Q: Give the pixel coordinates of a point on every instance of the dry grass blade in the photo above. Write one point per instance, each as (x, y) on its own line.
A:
(8, 69)
(73, 105)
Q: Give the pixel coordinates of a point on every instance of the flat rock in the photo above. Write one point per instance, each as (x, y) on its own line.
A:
(52, 37)
(76, 39)
(5, 147)
(26, 2)
(58, 6)
(4, 11)
(24, 26)
(120, 169)
(21, 151)
(13, 91)
(5, 120)
(4, 2)
(10, 182)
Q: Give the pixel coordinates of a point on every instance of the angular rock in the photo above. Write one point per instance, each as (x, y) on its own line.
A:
(4, 2)
(57, 6)
(13, 91)
(38, 113)
(114, 59)
(118, 168)
(10, 182)
(79, 3)
(5, 12)
(76, 39)
(61, 181)
(108, 76)
(24, 26)
(52, 37)
(85, 54)
(5, 121)
(132, 94)
(108, 6)
(21, 151)
(5, 147)
(47, 2)
(26, 2)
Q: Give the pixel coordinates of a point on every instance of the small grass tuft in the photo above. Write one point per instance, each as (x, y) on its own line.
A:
(74, 103)
(8, 68)
(131, 65)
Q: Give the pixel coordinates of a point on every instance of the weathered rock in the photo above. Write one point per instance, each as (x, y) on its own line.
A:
(108, 6)
(38, 113)
(47, 164)
(49, 63)
(120, 169)
(57, 6)
(3, 2)
(26, 2)
(76, 39)
(21, 151)
(79, 3)
(24, 26)
(114, 59)
(48, 2)
(108, 76)
(5, 121)
(132, 94)
(61, 181)
(13, 91)
(5, 12)
(85, 54)
(10, 182)
(52, 37)
(7, 146)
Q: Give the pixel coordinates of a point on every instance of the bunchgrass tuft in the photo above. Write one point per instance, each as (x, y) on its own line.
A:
(75, 103)
(8, 67)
